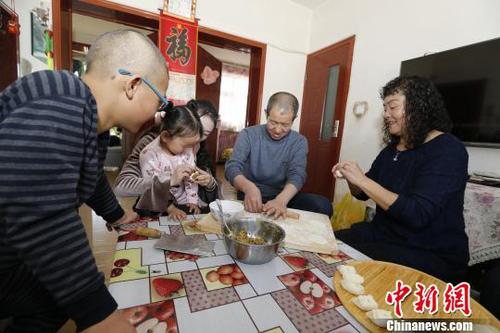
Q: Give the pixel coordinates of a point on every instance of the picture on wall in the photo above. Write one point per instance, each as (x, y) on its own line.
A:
(39, 34)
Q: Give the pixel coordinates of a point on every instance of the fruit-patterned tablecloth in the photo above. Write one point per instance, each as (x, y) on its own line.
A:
(163, 291)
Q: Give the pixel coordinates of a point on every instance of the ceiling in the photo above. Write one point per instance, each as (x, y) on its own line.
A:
(311, 4)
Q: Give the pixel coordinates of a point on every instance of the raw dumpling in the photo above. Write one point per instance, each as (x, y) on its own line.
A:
(356, 278)
(353, 288)
(345, 269)
(379, 317)
(365, 302)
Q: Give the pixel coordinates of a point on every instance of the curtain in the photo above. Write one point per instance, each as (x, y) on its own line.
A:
(233, 97)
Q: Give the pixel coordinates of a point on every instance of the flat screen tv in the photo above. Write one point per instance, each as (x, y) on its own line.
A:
(469, 79)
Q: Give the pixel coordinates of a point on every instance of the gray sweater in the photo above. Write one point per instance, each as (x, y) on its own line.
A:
(269, 164)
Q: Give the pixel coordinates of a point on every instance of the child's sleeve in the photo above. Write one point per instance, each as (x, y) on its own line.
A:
(190, 187)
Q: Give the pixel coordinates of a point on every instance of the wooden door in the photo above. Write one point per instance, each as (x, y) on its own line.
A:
(323, 108)
(209, 92)
(9, 47)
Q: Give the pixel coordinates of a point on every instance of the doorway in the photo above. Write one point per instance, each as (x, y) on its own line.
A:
(326, 88)
(9, 46)
(137, 18)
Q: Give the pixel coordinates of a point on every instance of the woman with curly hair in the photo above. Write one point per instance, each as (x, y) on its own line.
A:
(417, 181)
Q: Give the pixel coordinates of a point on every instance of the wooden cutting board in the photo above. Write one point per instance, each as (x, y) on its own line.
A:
(311, 232)
(380, 278)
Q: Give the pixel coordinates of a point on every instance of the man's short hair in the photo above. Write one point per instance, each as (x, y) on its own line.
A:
(284, 101)
(127, 49)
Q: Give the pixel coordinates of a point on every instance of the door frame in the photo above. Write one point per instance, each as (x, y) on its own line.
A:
(348, 42)
(111, 11)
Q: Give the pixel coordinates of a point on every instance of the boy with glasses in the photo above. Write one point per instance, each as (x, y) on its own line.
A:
(54, 132)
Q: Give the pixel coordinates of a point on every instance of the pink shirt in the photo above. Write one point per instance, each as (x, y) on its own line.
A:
(155, 161)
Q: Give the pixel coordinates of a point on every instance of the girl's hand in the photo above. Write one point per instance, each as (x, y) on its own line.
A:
(194, 209)
(180, 173)
(175, 213)
(204, 178)
(351, 171)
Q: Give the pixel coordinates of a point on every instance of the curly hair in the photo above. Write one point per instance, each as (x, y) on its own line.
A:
(424, 110)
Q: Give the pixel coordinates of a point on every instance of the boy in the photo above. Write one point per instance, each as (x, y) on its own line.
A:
(53, 141)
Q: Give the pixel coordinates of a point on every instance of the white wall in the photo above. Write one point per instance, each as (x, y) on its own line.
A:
(387, 32)
(281, 24)
(228, 56)
(23, 9)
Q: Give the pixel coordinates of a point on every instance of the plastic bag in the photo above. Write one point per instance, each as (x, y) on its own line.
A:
(347, 212)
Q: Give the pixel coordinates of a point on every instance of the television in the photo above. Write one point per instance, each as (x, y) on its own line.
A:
(468, 78)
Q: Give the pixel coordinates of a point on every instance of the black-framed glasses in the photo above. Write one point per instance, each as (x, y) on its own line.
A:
(166, 105)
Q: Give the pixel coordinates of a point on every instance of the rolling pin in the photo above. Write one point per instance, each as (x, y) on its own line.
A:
(292, 215)
(149, 232)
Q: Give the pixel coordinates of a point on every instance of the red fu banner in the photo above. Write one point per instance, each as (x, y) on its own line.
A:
(178, 44)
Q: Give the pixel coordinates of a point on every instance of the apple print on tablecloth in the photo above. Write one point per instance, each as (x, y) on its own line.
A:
(297, 262)
(127, 266)
(167, 287)
(152, 318)
(172, 256)
(333, 258)
(222, 277)
(310, 291)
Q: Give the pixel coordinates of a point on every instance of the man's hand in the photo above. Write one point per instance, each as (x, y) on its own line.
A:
(175, 213)
(193, 208)
(128, 217)
(275, 208)
(253, 200)
(114, 323)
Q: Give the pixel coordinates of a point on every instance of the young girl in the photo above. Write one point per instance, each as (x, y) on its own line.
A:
(171, 156)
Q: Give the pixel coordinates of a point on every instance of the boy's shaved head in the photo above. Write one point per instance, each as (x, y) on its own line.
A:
(127, 49)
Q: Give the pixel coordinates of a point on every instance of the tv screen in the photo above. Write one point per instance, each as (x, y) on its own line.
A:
(469, 80)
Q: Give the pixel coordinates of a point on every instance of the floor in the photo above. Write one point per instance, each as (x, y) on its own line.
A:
(104, 242)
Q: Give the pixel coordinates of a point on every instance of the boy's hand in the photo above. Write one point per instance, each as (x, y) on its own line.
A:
(175, 213)
(193, 209)
(128, 217)
(114, 323)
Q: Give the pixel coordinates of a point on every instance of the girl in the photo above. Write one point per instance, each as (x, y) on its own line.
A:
(171, 158)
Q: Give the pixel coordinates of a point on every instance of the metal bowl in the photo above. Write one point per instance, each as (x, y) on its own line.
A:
(254, 254)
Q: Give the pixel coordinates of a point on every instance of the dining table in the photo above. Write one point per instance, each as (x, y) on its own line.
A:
(166, 291)
(160, 291)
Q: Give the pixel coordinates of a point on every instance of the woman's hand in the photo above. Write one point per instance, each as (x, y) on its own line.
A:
(204, 178)
(351, 171)
(175, 213)
(180, 173)
(193, 208)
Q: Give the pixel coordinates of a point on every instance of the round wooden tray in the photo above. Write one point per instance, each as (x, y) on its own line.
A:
(380, 278)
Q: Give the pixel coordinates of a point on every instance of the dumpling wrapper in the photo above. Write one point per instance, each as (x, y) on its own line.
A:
(379, 317)
(346, 269)
(356, 278)
(353, 288)
(365, 302)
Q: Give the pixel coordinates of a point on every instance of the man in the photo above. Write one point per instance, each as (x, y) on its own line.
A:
(54, 132)
(268, 166)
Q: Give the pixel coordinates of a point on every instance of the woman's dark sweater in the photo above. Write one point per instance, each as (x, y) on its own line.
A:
(428, 213)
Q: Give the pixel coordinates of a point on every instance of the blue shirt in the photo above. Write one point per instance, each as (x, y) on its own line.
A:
(269, 164)
(430, 182)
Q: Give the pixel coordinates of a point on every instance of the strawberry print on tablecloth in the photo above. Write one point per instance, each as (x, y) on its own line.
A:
(297, 261)
(167, 287)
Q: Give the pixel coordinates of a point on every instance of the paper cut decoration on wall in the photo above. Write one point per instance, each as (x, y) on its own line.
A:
(209, 76)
